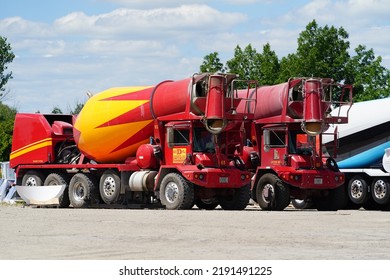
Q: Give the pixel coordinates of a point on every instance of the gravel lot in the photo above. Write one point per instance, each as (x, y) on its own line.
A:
(142, 234)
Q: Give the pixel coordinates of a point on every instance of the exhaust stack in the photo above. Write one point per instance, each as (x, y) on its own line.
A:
(215, 105)
(313, 111)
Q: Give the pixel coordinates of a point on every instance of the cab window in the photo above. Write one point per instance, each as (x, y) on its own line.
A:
(181, 137)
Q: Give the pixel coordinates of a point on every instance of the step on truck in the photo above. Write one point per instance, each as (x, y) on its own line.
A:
(173, 144)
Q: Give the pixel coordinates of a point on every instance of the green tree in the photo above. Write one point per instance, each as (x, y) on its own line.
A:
(77, 108)
(370, 79)
(212, 63)
(269, 66)
(7, 117)
(250, 65)
(288, 68)
(321, 52)
(245, 63)
(6, 57)
(56, 110)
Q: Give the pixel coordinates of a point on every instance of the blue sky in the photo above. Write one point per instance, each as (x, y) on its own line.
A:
(65, 48)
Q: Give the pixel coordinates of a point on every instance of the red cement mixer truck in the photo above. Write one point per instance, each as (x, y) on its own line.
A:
(284, 140)
(174, 143)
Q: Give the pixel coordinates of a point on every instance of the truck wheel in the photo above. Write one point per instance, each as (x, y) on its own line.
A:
(380, 191)
(82, 190)
(302, 203)
(59, 179)
(335, 200)
(272, 193)
(239, 201)
(32, 178)
(207, 204)
(176, 192)
(110, 186)
(371, 205)
(358, 190)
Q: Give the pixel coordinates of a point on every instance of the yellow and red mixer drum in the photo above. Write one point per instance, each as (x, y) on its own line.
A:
(114, 123)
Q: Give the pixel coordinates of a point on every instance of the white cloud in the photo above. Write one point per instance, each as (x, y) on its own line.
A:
(347, 13)
(367, 10)
(173, 3)
(153, 3)
(57, 63)
(148, 23)
(17, 26)
(145, 42)
(366, 21)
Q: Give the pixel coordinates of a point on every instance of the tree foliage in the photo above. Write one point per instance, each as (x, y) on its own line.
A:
(212, 63)
(6, 57)
(56, 110)
(245, 63)
(76, 110)
(269, 66)
(370, 79)
(7, 117)
(322, 52)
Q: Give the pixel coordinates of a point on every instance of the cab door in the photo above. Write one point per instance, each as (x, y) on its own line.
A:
(178, 144)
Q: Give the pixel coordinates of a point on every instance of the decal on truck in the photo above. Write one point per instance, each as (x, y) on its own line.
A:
(34, 146)
(179, 155)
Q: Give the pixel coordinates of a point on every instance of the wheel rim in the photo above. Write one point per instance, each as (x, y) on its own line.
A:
(109, 186)
(380, 189)
(78, 192)
(31, 181)
(357, 189)
(53, 183)
(268, 193)
(171, 192)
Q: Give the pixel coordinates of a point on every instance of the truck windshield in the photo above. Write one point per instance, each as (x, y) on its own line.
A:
(203, 140)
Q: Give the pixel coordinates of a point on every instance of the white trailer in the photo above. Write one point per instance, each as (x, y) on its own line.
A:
(364, 154)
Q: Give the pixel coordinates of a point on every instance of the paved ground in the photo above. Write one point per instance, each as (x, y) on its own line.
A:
(62, 234)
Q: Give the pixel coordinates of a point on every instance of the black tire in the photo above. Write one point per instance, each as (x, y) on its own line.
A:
(302, 203)
(380, 191)
(358, 191)
(82, 190)
(371, 205)
(207, 204)
(238, 201)
(352, 206)
(272, 193)
(336, 199)
(110, 186)
(176, 193)
(33, 178)
(59, 179)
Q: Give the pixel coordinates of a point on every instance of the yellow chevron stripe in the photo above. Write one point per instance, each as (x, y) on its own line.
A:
(34, 146)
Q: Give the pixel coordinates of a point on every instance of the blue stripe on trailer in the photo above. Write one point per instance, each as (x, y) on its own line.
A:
(366, 158)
